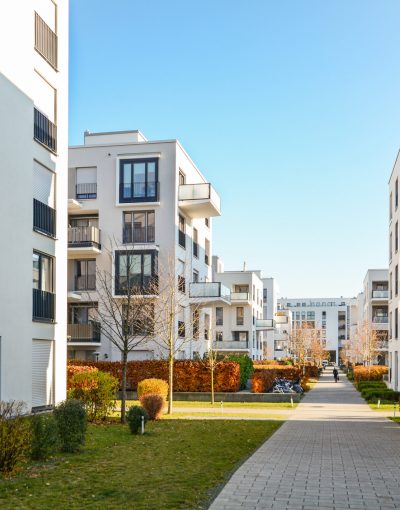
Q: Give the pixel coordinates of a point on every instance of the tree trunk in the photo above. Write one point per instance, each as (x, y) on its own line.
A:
(171, 381)
(212, 384)
(123, 397)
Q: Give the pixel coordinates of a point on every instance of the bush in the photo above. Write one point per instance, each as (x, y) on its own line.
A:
(45, 438)
(189, 375)
(264, 376)
(380, 394)
(71, 421)
(15, 436)
(77, 369)
(153, 404)
(134, 418)
(97, 392)
(246, 368)
(372, 373)
(370, 384)
(153, 387)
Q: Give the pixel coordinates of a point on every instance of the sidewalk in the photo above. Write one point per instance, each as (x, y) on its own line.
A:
(334, 452)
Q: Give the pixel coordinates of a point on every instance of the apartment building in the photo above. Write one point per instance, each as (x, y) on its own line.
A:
(33, 209)
(330, 315)
(394, 261)
(145, 200)
(270, 305)
(238, 322)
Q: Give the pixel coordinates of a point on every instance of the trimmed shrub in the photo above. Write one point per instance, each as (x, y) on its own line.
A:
(97, 392)
(189, 375)
(77, 369)
(15, 436)
(153, 387)
(45, 440)
(264, 376)
(71, 421)
(372, 373)
(371, 384)
(246, 368)
(154, 404)
(134, 418)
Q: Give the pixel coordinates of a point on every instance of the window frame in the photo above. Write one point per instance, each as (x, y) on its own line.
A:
(118, 291)
(132, 199)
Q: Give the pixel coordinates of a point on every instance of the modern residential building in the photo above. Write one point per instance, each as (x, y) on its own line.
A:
(130, 197)
(239, 323)
(394, 262)
(33, 208)
(270, 306)
(330, 315)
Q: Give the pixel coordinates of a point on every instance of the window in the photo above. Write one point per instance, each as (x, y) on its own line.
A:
(196, 324)
(240, 336)
(139, 320)
(86, 183)
(182, 178)
(138, 180)
(182, 231)
(239, 315)
(139, 227)
(207, 252)
(44, 214)
(42, 287)
(46, 40)
(207, 222)
(254, 293)
(218, 336)
(181, 329)
(396, 280)
(85, 274)
(195, 243)
(396, 323)
(396, 237)
(390, 285)
(181, 284)
(136, 272)
(219, 316)
(396, 194)
(390, 246)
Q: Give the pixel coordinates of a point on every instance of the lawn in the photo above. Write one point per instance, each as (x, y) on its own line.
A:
(217, 405)
(177, 464)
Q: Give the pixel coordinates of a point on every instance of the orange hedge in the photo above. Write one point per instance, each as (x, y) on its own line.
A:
(77, 369)
(188, 375)
(264, 376)
(373, 373)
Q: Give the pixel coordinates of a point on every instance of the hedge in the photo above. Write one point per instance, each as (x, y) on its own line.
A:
(373, 373)
(188, 375)
(264, 376)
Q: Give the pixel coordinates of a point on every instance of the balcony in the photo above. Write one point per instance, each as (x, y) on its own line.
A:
(84, 334)
(209, 292)
(45, 41)
(240, 297)
(380, 294)
(83, 241)
(138, 285)
(43, 308)
(199, 200)
(85, 282)
(380, 319)
(264, 324)
(45, 132)
(44, 219)
(138, 234)
(86, 191)
(281, 319)
(233, 345)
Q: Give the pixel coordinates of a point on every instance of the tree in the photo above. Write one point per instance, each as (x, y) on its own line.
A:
(366, 343)
(176, 321)
(125, 308)
(306, 344)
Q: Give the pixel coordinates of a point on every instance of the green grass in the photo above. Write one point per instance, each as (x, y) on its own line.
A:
(384, 408)
(217, 405)
(224, 414)
(175, 465)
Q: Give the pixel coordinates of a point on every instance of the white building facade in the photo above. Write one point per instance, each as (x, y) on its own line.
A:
(33, 209)
(330, 315)
(126, 191)
(394, 261)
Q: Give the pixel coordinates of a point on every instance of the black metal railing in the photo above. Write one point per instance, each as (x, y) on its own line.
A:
(90, 332)
(43, 305)
(139, 191)
(182, 239)
(45, 132)
(86, 190)
(44, 218)
(85, 282)
(139, 285)
(138, 234)
(46, 42)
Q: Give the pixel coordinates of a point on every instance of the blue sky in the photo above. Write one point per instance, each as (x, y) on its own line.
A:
(290, 108)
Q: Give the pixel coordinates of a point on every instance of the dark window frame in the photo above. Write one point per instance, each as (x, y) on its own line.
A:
(128, 234)
(132, 199)
(118, 291)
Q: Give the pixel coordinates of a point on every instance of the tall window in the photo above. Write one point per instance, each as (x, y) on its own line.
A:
(195, 243)
(85, 274)
(195, 276)
(396, 323)
(196, 324)
(219, 336)
(219, 316)
(390, 246)
(135, 272)
(138, 180)
(42, 284)
(239, 315)
(182, 231)
(396, 194)
(396, 236)
(207, 252)
(139, 227)
(396, 280)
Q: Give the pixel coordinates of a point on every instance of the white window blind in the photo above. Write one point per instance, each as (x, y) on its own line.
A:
(43, 184)
(86, 175)
(42, 373)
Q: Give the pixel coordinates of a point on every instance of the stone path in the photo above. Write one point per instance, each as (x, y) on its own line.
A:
(334, 452)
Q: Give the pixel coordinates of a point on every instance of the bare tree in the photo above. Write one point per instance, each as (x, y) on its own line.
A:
(366, 344)
(306, 344)
(125, 308)
(176, 320)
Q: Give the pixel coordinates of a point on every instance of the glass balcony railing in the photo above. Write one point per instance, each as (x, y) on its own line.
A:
(239, 296)
(380, 319)
(382, 294)
(209, 290)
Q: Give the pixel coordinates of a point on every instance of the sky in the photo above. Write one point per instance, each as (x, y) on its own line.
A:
(290, 109)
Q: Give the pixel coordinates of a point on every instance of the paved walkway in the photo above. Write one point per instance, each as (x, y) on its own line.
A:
(334, 452)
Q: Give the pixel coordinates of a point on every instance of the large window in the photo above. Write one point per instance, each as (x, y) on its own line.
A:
(219, 316)
(139, 227)
(43, 308)
(239, 315)
(240, 336)
(182, 231)
(135, 272)
(138, 180)
(85, 274)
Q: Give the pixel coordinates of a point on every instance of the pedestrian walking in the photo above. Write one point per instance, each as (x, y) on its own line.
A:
(336, 374)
